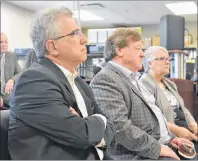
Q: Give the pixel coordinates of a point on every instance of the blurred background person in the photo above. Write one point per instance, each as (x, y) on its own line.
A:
(99, 66)
(188, 75)
(30, 59)
(9, 70)
(194, 77)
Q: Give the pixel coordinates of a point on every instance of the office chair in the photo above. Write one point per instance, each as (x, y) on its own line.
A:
(4, 122)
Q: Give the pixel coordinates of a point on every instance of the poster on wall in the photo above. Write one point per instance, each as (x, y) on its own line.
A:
(99, 36)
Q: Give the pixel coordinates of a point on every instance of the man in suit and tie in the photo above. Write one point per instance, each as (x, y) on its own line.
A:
(53, 113)
(9, 70)
(141, 129)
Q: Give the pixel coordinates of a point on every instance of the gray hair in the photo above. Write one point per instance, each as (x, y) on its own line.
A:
(148, 55)
(109, 50)
(119, 39)
(43, 28)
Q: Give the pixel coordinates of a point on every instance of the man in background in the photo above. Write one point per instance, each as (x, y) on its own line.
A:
(9, 70)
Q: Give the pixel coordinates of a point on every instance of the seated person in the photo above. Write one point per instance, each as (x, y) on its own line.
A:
(10, 70)
(53, 114)
(156, 63)
(141, 129)
(194, 77)
(99, 66)
(30, 59)
(188, 75)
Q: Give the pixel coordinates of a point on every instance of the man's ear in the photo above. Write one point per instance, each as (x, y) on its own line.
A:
(149, 63)
(51, 48)
(119, 51)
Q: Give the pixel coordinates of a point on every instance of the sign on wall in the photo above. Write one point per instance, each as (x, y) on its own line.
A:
(99, 36)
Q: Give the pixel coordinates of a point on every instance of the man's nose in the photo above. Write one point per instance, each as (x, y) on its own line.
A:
(84, 39)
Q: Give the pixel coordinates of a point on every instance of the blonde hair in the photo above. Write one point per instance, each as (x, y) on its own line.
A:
(120, 38)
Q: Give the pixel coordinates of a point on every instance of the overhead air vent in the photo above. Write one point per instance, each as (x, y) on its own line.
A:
(121, 25)
(93, 6)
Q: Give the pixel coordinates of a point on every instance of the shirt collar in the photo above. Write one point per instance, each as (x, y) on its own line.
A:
(126, 71)
(67, 73)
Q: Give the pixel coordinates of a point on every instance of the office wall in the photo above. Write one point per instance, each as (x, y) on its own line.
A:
(151, 30)
(15, 22)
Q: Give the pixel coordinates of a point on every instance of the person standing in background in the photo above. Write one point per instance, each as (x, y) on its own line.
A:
(10, 70)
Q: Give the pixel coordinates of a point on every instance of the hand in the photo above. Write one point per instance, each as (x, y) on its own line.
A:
(9, 86)
(168, 152)
(1, 105)
(193, 127)
(73, 111)
(176, 142)
(185, 133)
(101, 144)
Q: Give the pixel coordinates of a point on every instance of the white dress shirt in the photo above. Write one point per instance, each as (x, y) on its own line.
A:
(165, 135)
(81, 103)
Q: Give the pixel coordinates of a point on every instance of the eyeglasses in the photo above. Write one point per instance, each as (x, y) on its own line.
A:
(163, 58)
(76, 33)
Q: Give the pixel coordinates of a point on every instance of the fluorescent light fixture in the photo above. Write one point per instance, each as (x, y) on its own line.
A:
(182, 8)
(106, 29)
(87, 16)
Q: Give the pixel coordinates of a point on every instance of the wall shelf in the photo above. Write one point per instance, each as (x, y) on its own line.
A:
(96, 55)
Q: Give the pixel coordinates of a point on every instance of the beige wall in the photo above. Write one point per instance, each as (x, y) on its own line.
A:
(151, 30)
(16, 25)
(20, 18)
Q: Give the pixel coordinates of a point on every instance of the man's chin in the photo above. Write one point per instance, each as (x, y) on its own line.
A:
(140, 67)
(83, 58)
(3, 51)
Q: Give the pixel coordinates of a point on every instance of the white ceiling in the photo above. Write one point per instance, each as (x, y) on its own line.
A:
(114, 12)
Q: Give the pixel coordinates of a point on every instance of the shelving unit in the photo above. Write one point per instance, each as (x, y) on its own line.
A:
(85, 70)
(97, 55)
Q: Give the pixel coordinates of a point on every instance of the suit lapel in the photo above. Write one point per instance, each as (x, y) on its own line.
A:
(173, 90)
(63, 80)
(6, 68)
(87, 100)
(158, 92)
(52, 67)
(127, 81)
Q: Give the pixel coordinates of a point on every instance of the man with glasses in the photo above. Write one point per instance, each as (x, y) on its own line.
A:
(53, 112)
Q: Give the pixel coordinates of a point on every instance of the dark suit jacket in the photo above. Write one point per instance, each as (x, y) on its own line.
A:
(137, 127)
(41, 125)
(12, 71)
(12, 68)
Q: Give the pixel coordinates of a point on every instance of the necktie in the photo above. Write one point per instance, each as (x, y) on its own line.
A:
(3, 74)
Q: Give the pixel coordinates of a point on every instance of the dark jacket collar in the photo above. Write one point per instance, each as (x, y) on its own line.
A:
(57, 71)
(79, 82)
